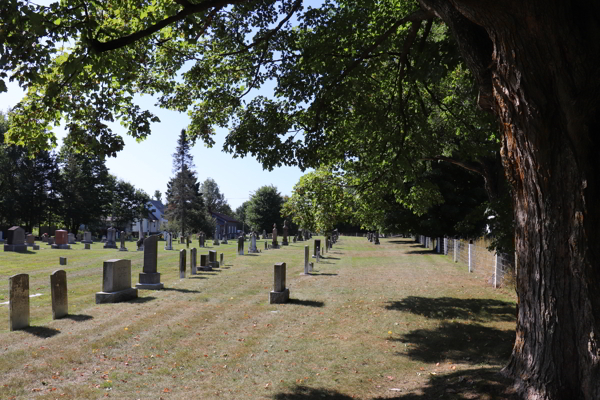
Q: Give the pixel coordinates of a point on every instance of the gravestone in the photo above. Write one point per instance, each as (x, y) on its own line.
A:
(1, 236)
(168, 241)
(116, 282)
(275, 245)
(58, 285)
(149, 278)
(193, 261)
(264, 235)
(123, 248)
(306, 257)
(87, 237)
(44, 237)
(376, 238)
(225, 234)
(216, 238)
(18, 301)
(317, 248)
(201, 239)
(87, 246)
(285, 233)
(103, 239)
(266, 246)
(311, 266)
(30, 242)
(62, 260)
(280, 294)
(212, 259)
(110, 238)
(241, 246)
(204, 263)
(294, 239)
(50, 241)
(80, 237)
(221, 259)
(182, 254)
(71, 238)
(140, 241)
(318, 257)
(253, 248)
(15, 240)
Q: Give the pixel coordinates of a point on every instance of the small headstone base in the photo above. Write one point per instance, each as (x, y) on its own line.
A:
(279, 297)
(21, 248)
(87, 246)
(123, 249)
(150, 281)
(61, 246)
(116, 297)
(110, 245)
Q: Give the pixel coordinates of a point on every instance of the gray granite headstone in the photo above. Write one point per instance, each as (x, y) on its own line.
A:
(253, 248)
(306, 257)
(18, 301)
(87, 246)
(116, 282)
(182, 253)
(87, 237)
(275, 244)
(285, 234)
(216, 240)
(376, 238)
(241, 246)
(123, 248)
(221, 259)
(168, 241)
(62, 260)
(58, 284)
(15, 240)
(279, 294)
(149, 278)
(204, 263)
(71, 238)
(193, 261)
(110, 238)
(317, 247)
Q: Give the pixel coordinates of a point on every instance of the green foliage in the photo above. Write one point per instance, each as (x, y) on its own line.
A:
(264, 209)
(240, 212)
(128, 204)
(185, 209)
(157, 195)
(213, 198)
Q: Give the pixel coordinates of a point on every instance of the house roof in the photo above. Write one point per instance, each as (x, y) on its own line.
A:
(224, 217)
(158, 205)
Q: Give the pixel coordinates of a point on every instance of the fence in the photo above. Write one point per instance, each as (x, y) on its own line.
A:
(476, 256)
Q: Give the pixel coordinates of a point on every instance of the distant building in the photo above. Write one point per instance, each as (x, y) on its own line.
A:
(154, 221)
(232, 225)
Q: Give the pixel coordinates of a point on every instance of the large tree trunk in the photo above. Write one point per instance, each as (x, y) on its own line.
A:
(543, 76)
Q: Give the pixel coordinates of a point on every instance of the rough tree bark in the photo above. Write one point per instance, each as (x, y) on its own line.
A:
(539, 60)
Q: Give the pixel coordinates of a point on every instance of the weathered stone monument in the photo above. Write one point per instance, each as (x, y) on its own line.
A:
(116, 282)
(168, 241)
(212, 259)
(71, 238)
(225, 234)
(62, 260)
(201, 239)
(216, 239)
(87, 246)
(264, 235)
(275, 244)
(285, 233)
(122, 248)
(221, 259)
(266, 246)
(193, 261)
(317, 248)
(50, 241)
(87, 237)
(253, 248)
(149, 278)
(61, 238)
(306, 257)
(204, 263)
(279, 294)
(182, 254)
(140, 241)
(18, 301)
(110, 238)
(241, 246)
(376, 238)
(30, 242)
(58, 289)
(15, 240)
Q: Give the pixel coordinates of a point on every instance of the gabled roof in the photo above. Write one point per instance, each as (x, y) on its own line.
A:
(158, 205)
(225, 218)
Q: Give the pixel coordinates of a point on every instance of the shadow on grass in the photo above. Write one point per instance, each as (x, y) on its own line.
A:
(481, 310)
(459, 343)
(41, 331)
(398, 241)
(317, 273)
(78, 317)
(143, 299)
(477, 383)
(331, 258)
(306, 393)
(197, 277)
(426, 251)
(252, 255)
(169, 289)
(309, 303)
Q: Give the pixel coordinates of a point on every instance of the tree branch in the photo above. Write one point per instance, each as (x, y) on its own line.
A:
(469, 167)
(123, 41)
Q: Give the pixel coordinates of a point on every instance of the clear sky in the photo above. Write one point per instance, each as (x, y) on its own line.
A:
(148, 164)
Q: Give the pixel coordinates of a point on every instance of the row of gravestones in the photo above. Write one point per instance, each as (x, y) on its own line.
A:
(373, 237)
(116, 281)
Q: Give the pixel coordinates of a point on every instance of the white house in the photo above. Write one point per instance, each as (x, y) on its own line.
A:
(153, 223)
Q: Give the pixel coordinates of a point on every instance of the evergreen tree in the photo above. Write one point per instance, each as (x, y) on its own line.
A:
(214, 199)
(157, 195)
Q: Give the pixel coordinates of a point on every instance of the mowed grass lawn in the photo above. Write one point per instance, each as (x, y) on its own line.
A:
(373, 322)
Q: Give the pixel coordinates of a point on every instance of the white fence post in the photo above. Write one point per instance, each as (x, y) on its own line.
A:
(438, 245)
(445, 246)
(455, 250)
(470, 266)
(496, 271)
